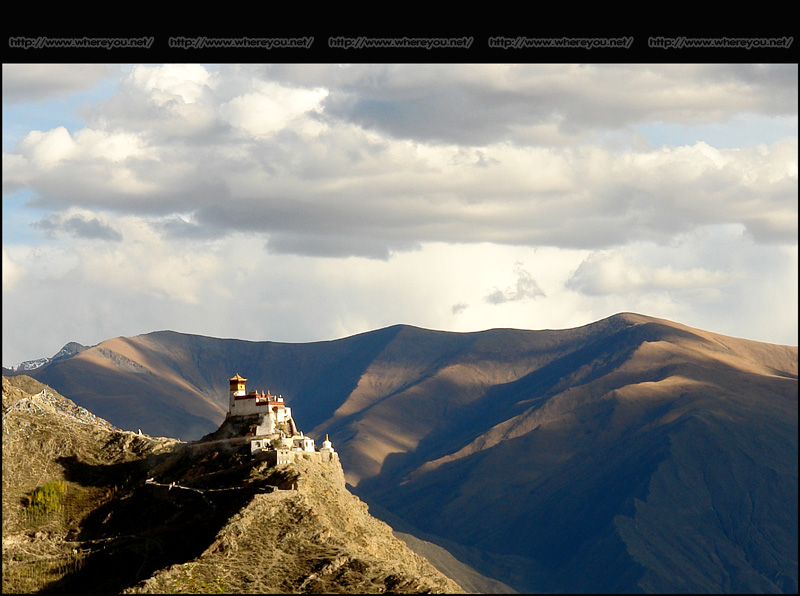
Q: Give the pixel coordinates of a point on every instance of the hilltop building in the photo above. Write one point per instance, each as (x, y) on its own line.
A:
(243, 404)
(269, 425)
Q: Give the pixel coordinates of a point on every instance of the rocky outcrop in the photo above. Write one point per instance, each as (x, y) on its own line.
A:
(313, 537)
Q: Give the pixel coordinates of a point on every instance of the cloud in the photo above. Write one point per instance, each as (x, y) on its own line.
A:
(453, 161)
(78, 226)
(169, 103)
(41, 82)
(270, 108)
(86, 168)
(459, 308)
(53, 262)
(172, 83)
(393, 197)
(154, 265)
(620, 272)
(135, 258)
(479, 104)
(12, 272)
(525, 288)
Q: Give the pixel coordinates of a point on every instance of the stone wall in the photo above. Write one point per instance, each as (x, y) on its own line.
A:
(280, 457)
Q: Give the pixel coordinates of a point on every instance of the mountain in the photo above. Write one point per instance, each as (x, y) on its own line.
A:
(88, 508)
(632, 454)
(69, 349)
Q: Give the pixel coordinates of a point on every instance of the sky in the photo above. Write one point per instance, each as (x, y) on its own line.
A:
(310, 202)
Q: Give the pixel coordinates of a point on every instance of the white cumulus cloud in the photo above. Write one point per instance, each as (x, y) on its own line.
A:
(270, 108)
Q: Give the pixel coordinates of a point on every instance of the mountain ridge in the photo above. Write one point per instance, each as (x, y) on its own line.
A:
(537, 453)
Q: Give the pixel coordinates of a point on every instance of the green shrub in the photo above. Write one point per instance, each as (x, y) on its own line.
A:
(46, 499)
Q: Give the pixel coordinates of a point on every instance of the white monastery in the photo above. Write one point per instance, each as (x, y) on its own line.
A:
(274, 434)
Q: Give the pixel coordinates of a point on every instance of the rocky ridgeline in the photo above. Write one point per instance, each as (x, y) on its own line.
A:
(21, 409)
(46, 400)
(70, 349)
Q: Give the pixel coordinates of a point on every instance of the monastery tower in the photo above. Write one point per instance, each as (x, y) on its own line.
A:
(237, 388)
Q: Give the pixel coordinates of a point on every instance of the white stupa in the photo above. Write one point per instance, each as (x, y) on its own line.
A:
(327, 446)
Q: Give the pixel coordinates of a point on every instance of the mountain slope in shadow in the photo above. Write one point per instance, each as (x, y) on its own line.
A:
(667, 460)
